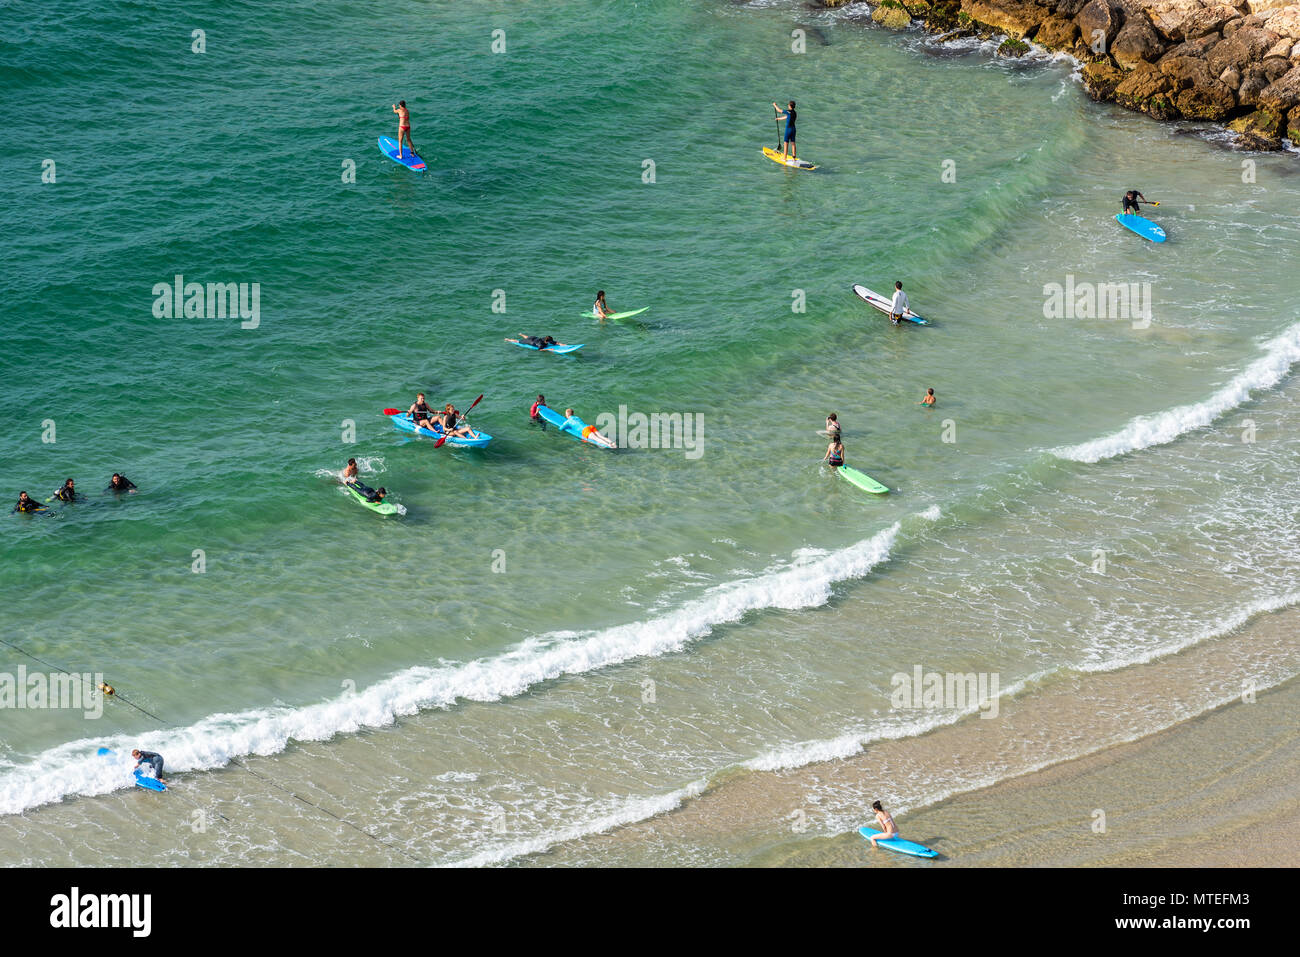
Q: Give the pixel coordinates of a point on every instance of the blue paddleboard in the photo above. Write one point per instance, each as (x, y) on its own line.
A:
(1142, 226)
(388, 146)
(910, 848)
(141, 779)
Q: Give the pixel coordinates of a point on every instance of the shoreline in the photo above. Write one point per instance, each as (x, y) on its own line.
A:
(1233, 63)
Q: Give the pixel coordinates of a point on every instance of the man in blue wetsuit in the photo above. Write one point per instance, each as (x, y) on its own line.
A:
(151, 758)
(789, 115)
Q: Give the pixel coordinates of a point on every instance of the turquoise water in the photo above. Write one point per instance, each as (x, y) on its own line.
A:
(771, 599)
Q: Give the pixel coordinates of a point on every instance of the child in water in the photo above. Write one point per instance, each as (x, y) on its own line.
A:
(928, 401)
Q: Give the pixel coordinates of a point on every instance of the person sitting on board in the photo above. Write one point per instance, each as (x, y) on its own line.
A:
(151, 758)
(351, 473)
(833, 426)
(26, 504)
(452, 423)
(929, 398)
(888, 829)
(788, 114)
(834, 456)
(67, 492)
(600, 307)
(120, 483)
(898, 308)
(1131, 200)
(533, 413)
(420, 413)
(403, 127)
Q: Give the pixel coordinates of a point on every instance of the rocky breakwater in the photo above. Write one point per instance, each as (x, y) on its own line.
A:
(1236, 63)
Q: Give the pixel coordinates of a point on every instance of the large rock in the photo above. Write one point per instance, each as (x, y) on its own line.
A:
(1257, 5)
(1285, 22)
(1283, 94)
(892, 17)
(1143, 83)
(1012, 17)
(1137, 42)
(1213, 102)
(1101, 77)
(1260, 130)
(1100, 19)
(1188, 19)
(1247, 45)
(1057, 33)
(1186, 71)
(1293, 125)
(1253, 83)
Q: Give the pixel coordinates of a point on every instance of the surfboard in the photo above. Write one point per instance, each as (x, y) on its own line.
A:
(142, 780)
(1142, 226)
(388, 146)
(620, 315)
(910, 848)
(861, 480)
(776, 157)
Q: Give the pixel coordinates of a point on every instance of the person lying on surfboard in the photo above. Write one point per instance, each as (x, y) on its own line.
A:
(1131, 200)
(543, 343)
(403, 127)
(151, 758)
(898, 309)
(789, 115)
(600, 307)
(929, 398)
(885, 820)
(834, 456)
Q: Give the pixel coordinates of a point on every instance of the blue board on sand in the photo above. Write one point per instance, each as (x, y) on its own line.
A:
(910, 848)
(1142, 226)
(141, 779)
(388, 146)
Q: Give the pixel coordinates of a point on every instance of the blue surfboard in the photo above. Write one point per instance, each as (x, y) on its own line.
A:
(388, 146)
(142, 780)
(1142, 226)
(910, 848)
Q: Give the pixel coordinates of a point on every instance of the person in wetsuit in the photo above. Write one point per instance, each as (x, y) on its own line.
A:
(532, 412)
(1131, 200)
(27, 504)
(369, 494)
(789, 115)
(67, 492)
(151, 758)
(120, 483)
(543, 343)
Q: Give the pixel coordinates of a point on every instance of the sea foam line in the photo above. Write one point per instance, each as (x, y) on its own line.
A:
(217, 739)
(1163, 427)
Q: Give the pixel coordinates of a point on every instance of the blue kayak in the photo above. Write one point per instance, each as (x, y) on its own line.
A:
(477, 440)
(1142, 226)
(575, 428)
(412, 161)
(910, 848)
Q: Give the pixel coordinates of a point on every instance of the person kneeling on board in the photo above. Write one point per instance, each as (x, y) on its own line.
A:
(834, 456)
(1132, 199)
(888, 829)
(151, 758)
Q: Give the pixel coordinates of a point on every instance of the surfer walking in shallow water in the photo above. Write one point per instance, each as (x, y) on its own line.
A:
(403, 127)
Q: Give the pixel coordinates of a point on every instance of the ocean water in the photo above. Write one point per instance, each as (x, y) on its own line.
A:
(555, 642)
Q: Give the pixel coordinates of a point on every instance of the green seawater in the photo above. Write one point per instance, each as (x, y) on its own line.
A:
(565, 633)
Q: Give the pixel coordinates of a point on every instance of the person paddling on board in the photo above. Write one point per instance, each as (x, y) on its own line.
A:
(834, 456)
(600, 307)
(403, 127)
(67, 492)
(120, 483)
(151, 758)
(885, 821)
(420, 413)
(26, 504)
(544, 342)
(789, 115)
(928, 400)
(373, 496)
(898, 308)
(351, 473)
(1131, 200)
(833, 426)
(532, 411)
(588, 432)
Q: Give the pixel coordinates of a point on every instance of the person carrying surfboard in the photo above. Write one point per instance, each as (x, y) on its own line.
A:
(787, 145)
(1132, 199)
(898, 308)
(403, 127)
(151, 758)
(887, 826)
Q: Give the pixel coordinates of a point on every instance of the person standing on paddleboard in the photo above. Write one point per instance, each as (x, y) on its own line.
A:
(887, 826)
(898, 308)
(788, 149)
(403, 127)
(1131, 200)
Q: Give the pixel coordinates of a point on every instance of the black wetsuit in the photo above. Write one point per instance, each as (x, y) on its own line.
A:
(65, 494)
(152, 758)
(31, 505)
(126, 485)
(1131, 202)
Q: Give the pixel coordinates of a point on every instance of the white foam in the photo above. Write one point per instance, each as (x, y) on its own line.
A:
(1163, 427)
(216, 739)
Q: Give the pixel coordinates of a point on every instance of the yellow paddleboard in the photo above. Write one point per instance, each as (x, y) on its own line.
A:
(776, 157)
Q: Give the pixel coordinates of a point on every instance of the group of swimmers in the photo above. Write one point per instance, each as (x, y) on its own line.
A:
(67, 492)
(834, 456)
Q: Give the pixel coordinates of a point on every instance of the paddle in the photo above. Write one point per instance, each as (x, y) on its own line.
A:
(437, 444)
